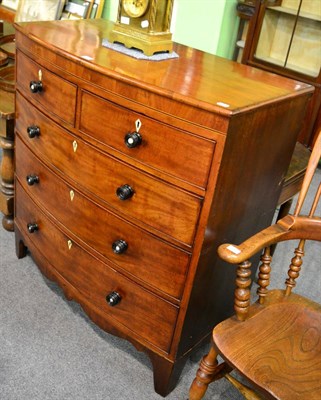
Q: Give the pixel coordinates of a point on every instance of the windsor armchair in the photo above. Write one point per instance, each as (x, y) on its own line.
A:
(274, 343)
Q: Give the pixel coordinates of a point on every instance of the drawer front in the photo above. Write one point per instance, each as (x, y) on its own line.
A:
(58, 96)
(149, 259)
(170, 150)
(161, 206)
(139, 310)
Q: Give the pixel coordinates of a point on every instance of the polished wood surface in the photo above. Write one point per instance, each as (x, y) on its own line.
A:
(144, 249)
(89, 168)
(216, 141)
(59, 97)
(206, 89)
(152, 150)
(133, 310)
(275, 342)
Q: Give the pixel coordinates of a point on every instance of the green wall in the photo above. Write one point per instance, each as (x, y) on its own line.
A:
(208, 25)
(110, 9)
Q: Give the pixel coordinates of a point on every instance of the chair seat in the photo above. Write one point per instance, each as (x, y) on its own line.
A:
(282, 350)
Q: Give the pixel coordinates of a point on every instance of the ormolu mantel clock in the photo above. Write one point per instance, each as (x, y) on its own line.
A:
(144, 24)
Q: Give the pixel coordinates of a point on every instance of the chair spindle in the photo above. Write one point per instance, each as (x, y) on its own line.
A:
(264, 274)
(295, 268)
(242, 291)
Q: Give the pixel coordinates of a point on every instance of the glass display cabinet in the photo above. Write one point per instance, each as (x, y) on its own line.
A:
(290, 36)
(285, 37)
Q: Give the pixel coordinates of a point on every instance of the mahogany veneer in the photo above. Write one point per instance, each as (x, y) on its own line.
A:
(130, 230)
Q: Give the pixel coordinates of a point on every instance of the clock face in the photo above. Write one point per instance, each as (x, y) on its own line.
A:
(135, 8)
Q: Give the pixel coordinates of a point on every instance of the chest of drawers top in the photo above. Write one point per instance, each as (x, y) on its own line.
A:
(197, 87)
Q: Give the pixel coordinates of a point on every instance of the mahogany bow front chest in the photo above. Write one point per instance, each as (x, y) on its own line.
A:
(130, 173)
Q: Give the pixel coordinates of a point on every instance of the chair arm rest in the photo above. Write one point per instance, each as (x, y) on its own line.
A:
(289, 227)
(235, 254)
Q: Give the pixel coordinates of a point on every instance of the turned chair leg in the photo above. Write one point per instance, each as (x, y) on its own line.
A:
(209, 370)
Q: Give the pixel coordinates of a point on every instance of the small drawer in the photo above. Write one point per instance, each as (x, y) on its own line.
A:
(127, 190)
(96, 280)
(175, 152)
(54, 94)
(143, 255)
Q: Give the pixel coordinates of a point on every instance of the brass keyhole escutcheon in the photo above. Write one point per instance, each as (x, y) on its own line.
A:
(69, 243)
(72, 195)
(74, 145)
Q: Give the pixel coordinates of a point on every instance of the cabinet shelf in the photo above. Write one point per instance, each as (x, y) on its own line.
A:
(290, 41)
(294, 12)
(293, 67)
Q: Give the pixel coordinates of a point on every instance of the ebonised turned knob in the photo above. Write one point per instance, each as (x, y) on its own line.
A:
(36, 86)
(113, 298)
(124, 192)
(32, 179)
(119, 246)
(32, 227)
(133, 139)
(33, 131)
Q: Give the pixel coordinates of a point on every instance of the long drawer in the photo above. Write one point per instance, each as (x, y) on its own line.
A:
(96, 280)
(162, 206)
(161, 146)
(57, 95)
(143, 255)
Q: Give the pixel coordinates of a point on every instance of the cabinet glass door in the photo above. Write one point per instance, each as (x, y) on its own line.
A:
(290, 35)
